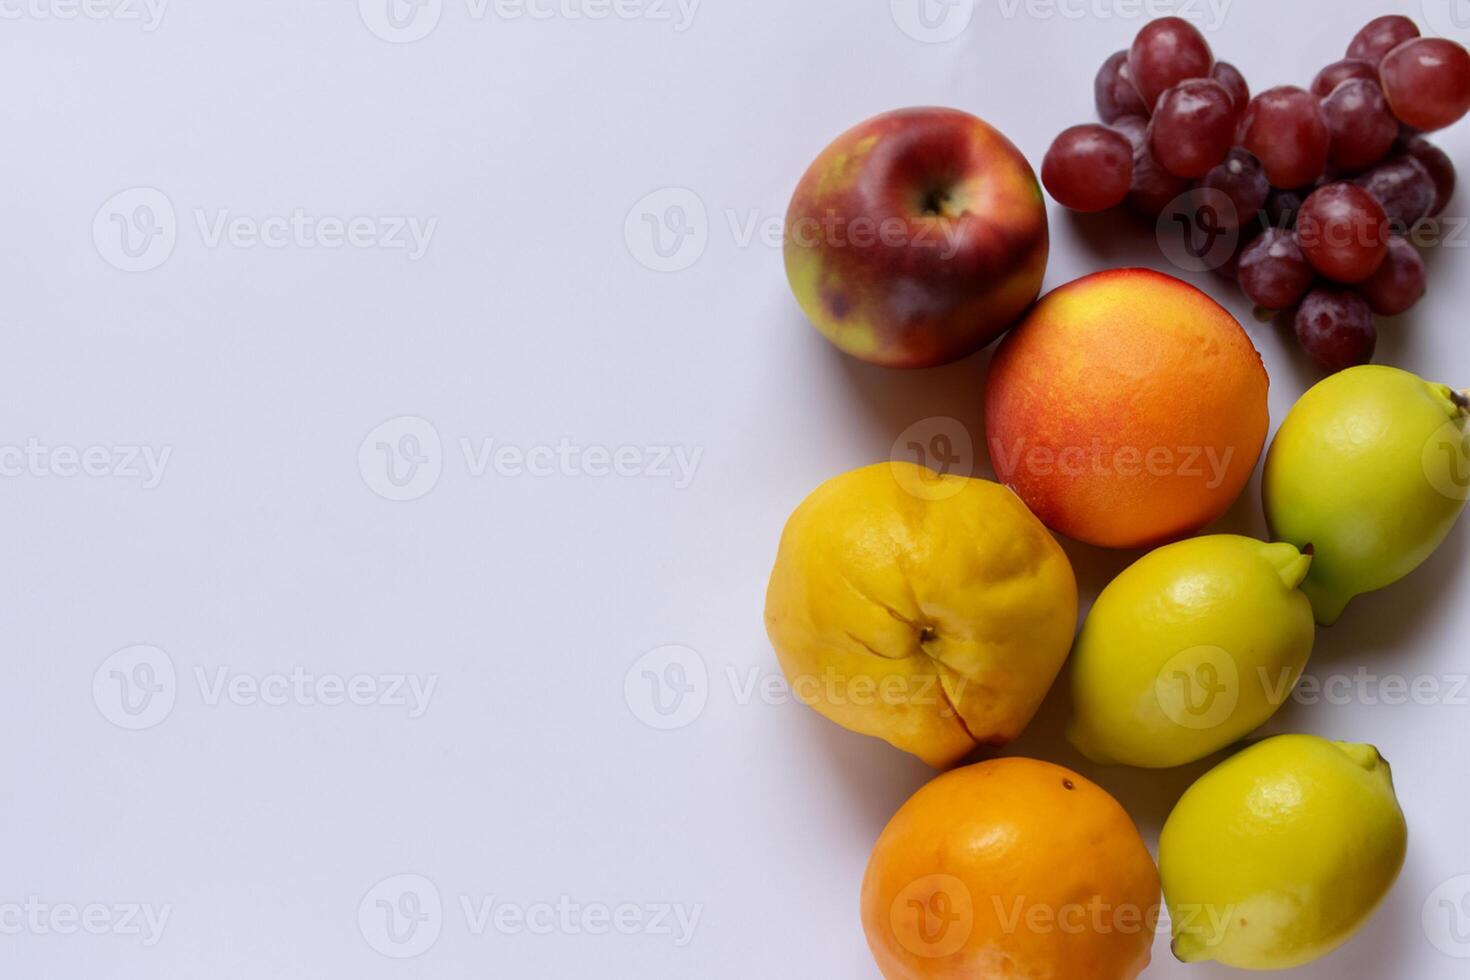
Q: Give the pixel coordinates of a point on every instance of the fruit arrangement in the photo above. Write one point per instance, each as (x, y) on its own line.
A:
(1126, 409)
(1325, 193)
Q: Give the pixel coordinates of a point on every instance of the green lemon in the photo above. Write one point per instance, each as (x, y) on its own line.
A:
(1191, 648)
(1279, 854)
(1371, 468)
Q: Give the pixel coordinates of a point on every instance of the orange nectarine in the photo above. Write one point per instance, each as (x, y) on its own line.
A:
(1127, 409)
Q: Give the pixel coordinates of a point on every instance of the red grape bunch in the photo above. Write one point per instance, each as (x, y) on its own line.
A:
(1328, 190)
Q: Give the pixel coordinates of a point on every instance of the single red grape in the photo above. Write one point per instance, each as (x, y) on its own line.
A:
(1362, 127)
(1166, 52)
(1242, 179)
(1399, 282)
(1273, 272)
(1381, 36)
(1193, 127)
(1335, 327)
(1089, 168)
(1114, 93)
(1284, 128)
(1282, 207)
(1153, 186)
(1338, 72)
(1404, 188)
(1427, 82)
(1229, 76)
(1343, 232)
(1438, 164)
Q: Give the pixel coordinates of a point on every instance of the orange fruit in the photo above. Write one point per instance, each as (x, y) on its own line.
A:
(1128, 409)
(1011, 869)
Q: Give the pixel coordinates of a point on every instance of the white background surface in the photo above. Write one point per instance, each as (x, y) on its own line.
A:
(530, 319)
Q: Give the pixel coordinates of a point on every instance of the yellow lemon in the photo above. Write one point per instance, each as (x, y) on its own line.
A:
(932, 611)
(1279, 854)
(1191, 648)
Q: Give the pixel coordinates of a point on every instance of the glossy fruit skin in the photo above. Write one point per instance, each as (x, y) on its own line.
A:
(1089, 168)
(1113, 91)
(1272, 271)
(1242, 179)
(1404, 188)
(1335, 327)
(1370, 467)
(1438, 165)
(1362, 127)
(1338, 72)
(1427, 82)
(941, 597)
(1399, 283)
(1343, 232)
(889, 282)
(979, 844)
(1153, 187)
(1167, 51)
(1193, 127)
(1284, 128)
(1128, 409)
(1229, 76)
(1380, 36)
(1190, 649)
(1278, 855)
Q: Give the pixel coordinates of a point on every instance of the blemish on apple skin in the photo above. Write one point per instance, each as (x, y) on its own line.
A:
(1069, 784)
(838, 303)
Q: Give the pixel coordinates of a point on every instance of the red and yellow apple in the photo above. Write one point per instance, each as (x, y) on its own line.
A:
(916, 238)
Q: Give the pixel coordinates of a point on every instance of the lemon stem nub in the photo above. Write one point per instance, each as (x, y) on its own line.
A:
(1292, 565)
